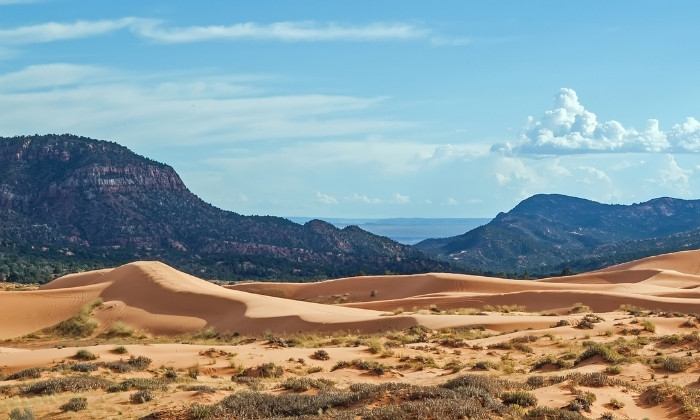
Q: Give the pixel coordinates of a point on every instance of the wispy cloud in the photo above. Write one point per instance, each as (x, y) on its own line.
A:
(283, 31)
(570, 128)
(56, 31)
(155, 30)
(175, 109)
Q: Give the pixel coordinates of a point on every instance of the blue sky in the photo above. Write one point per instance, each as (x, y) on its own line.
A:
(370, 109)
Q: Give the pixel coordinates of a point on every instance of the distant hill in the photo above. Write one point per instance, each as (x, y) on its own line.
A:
(69, 202)
(545, 234)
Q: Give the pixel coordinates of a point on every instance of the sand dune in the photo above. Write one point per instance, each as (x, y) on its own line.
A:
(668, 282)
(158, 299)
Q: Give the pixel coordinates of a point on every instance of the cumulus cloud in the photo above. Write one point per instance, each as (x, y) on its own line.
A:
(397, 198)
(363, 199)
(675, 176)
(570, 128)
(325, 198)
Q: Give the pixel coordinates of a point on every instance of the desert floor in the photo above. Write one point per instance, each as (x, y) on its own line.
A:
(145, 340)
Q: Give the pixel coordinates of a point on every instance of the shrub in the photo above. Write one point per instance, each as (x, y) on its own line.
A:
(304, 384)
(119, 329)
(17, 414)
(521, 398)
(31, 373)
(75, 404)
(84, 354)
(120, 350)
(321, 355)
(676, 364)
(613, 370)
(142, 396)
(70, 383)
(616, 404)
(647, 325)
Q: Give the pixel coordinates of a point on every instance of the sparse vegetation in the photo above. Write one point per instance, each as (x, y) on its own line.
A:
(75, 404)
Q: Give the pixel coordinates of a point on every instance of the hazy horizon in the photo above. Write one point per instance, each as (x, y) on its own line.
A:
(376, 110)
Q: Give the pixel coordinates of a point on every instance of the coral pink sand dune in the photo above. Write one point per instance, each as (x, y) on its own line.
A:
(156, 298)
(668, 282)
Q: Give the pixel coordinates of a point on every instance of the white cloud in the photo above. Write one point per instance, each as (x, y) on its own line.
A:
(283, 31)
(596, 173)
(510, 169)
(105, 103)
(675, 177)
(55, 31)
(397, 198)
(687, 135)
(451, 201)
(154, 30)
(363, 199)
(571, 129)
(325, 198)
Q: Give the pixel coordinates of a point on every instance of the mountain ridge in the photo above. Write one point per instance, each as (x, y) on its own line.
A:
(83, 195)
(548, 232)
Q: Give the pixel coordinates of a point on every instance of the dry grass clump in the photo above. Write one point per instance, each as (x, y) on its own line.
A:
(75, 404)
(79, 325)
(579, 308)
(84, 354)
(647, 325)
(517, 343)
(265, 370)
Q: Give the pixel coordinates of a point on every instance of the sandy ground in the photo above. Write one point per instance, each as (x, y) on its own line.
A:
(465, 320)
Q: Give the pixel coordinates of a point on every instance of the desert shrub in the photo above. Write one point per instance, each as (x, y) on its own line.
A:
(142, 396)
(84, 367)
(84, 354)
(321, 355)
(521, 398)
(579, 308)
(676, 364)
(70, 383)
(647, 325)
(484, 365)
(304, 384)
(201, 388)
(25, 414)
(134, 363)
(616, 404)
(140, 384)
(75, 404)
(170, 374)
(549, 413)
(120, 350)
(199, 411)
(599, 349)
(270, 370)
(613, 370)
(656, 394)
(119, 329)
(31, 373)
(139, 362)
(593, 379)
(559, 362)
(588, 321)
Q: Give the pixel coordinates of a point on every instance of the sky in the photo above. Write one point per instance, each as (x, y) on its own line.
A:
(370, 109)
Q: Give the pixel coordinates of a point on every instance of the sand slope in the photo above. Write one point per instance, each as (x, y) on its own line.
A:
(668, 282)
(158, 299)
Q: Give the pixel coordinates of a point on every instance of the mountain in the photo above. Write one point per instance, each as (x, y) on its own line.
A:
(548, 233)
(66, 196)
